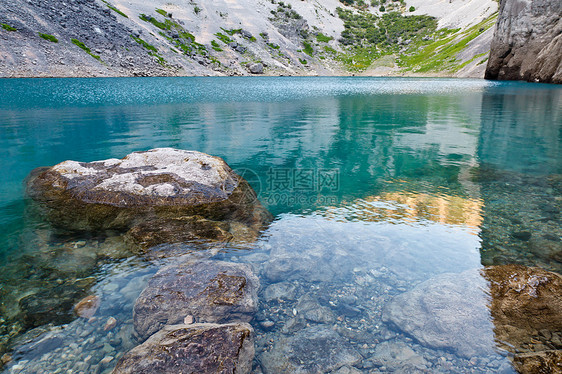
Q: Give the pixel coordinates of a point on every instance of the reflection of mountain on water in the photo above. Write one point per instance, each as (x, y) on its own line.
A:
(521, 130)
(520, 178)
(415, 208)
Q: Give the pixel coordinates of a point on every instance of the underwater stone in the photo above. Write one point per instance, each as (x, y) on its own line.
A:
(160, 186)
(448, 311)
(51, 305)
(526, 304)
(197, 348)
(316, 349)
(539, 362)
(280, 291)
(87, 307)
(210, 291)
(522, 235)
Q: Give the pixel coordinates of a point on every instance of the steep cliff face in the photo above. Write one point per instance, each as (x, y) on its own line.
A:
(527, 43)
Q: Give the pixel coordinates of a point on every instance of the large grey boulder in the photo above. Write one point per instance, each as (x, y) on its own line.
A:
(527, 43)
(256, 68)
(207, 291)
(163, 195)
(197, 348)
(448, 311)
(316, 349)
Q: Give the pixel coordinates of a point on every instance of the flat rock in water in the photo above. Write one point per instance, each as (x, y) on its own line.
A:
(197, 348)
(160, 186)
(449, 311)
(316, 349)
(210, 291)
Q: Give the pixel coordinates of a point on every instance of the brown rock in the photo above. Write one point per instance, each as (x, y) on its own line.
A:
(87, 307)
(110, 324)
(180, 230)
(546, 362)
(526, 304)
(210, 291)
(5, 359)
(198, 348)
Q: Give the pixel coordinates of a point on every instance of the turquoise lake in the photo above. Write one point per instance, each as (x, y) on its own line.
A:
(377, 185)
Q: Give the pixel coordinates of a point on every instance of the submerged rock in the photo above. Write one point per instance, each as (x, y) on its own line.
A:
(280, 291)
(397, 355)
(541, 362)
(526, 308)
(87, 307)
(183, 194)
(316, 349)
(209, 291)
(197, 348)
(51, 305)
(448, 311)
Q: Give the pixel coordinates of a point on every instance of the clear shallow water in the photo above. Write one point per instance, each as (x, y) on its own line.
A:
(377, 185)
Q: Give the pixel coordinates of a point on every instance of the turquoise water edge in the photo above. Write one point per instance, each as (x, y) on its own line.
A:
(377, 185)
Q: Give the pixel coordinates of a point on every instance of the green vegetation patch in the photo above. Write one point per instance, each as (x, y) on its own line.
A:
(152, 51)
(308, 49)
(176, 35)
(303, 61)
(48, 37)
(146, 45)
(359, 4)
(232, 32)
(284, 11)
(8, 27)
(162, 12)
(216, 46)
(86, 49)
(166, 25)
(115, 9)
(323, 38)
(223, 38)
(440, 53)
(367, 37)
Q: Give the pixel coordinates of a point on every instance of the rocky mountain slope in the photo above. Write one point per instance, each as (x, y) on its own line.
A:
(74, 38)
(527, 44)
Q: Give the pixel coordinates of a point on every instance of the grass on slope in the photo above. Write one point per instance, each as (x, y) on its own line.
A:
(48, 37)
(82, 46)
(184, 40)
(152, 51)
(115, 9)
(8, 27)
(441, 53)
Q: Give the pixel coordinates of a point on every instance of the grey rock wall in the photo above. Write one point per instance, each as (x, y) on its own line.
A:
(527, 43)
